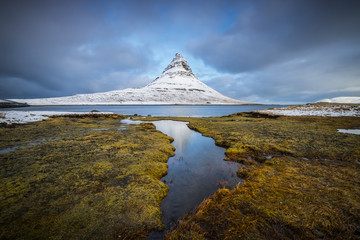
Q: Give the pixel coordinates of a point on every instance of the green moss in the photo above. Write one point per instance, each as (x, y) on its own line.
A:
(84, 183)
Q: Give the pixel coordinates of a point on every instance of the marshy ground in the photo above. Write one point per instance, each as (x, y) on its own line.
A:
(302, 180)
(90, 177)
(87, 177)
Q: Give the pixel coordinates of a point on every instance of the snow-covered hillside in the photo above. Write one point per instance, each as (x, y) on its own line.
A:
(341, 100)
(176, 85)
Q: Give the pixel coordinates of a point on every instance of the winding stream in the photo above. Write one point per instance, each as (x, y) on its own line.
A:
(194, 173)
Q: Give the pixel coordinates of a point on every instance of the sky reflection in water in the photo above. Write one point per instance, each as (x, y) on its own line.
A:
(194, 173)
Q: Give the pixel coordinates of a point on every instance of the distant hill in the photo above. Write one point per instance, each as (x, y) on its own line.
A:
(341, 100)
(10, 104)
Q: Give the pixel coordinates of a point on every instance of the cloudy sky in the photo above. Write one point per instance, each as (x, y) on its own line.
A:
(266, 51)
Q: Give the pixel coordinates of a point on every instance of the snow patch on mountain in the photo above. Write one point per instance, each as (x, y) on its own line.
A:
(176, 85)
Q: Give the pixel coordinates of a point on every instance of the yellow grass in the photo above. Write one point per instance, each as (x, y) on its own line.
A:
(302, 180)
(79, 182)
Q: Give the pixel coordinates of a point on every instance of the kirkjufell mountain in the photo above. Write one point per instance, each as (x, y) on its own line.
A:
(176, 85)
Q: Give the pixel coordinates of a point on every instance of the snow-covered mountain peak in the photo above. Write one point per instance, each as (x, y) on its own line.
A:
(176, 85)
(177, 74)
(178, 57)
(178, 64)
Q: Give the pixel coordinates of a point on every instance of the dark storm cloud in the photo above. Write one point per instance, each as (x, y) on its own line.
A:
(64, 47)
(301, 80)
(61, 47)
(287, 51)
(257, 50)
(270, 32)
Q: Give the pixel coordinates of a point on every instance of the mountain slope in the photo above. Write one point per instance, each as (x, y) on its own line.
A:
(176, 85)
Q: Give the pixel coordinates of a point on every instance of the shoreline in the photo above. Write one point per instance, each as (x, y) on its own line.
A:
(145, 104)
(317, 109)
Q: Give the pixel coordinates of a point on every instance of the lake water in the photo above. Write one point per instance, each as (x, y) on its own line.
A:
(350, 131)
(155, 110)
(194, 173)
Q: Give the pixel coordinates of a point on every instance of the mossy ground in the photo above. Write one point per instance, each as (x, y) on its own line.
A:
(83, 178)
(302, 180)
(86, 177)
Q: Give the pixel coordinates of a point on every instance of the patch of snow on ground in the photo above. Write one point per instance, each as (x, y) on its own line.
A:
(325, 110)
(34, 116)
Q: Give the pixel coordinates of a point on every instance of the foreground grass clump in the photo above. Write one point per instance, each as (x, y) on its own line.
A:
(82, 177)
(302, 180)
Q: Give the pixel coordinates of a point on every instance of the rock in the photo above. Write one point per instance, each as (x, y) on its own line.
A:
(317, 233)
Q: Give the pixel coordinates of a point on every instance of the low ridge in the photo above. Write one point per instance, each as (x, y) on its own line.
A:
(176, 85)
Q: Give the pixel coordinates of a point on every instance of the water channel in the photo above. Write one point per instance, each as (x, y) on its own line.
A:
(194, 173)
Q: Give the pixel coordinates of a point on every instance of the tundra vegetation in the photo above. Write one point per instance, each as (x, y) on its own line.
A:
(81, 177)
(302, 179)
(90, 177)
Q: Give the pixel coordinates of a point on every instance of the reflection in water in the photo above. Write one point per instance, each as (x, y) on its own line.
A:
(194, 173)
(129, 121)
(350, 131)
(177, 130)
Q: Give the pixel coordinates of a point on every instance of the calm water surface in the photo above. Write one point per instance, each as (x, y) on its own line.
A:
(194, 173)
(156, 110)
(350, 131)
